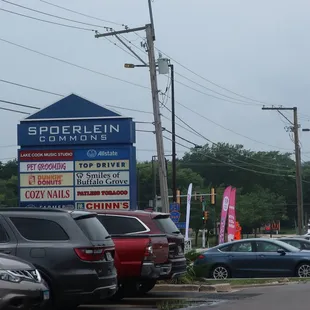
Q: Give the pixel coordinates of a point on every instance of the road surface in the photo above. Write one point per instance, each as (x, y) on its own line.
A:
(284, 297)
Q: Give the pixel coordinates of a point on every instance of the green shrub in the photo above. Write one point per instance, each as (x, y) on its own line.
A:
(191, 255)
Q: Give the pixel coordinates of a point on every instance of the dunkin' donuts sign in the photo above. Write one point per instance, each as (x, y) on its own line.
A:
(44, 179)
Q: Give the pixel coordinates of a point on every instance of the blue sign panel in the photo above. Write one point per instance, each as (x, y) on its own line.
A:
(86, 164)
(174, 207)
(97, 154)
(180, 225)
(175, 216)
(72, 132)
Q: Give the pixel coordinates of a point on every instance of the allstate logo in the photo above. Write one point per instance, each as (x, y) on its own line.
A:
(91, 153)
(226, 203)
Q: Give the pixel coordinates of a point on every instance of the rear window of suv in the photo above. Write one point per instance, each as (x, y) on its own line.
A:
(92, 228)
(166, 225)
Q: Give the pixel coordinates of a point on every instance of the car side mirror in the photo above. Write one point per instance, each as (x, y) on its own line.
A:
(281, 251)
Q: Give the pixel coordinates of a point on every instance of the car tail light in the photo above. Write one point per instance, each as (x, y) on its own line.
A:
(201, 256)
(148, 251)
(90, 254)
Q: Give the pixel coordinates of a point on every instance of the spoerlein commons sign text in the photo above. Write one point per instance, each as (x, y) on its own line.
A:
(73, 133)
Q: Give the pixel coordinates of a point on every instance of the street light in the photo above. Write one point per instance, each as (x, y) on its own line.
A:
(173, 135)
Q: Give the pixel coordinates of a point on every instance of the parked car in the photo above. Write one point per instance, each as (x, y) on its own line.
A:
(300, 243)
(148, 223)
(21, 285)
(139, 260)
(253, 258)
(71, 249)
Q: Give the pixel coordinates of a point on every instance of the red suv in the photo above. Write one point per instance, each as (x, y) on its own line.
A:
(141, 222)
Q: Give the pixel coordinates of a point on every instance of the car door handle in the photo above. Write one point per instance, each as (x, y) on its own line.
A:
(261, 255)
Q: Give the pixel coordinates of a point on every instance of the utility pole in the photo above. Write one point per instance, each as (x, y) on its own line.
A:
(157, 122)
(150, 35)
(174, 160)
(299, 194)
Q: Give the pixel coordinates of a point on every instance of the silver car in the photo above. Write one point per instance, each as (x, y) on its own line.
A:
(21, 286)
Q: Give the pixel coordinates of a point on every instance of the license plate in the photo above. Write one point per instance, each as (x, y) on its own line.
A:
(109, 256)
(46, 295)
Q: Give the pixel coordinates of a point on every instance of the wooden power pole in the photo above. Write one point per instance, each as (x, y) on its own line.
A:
(150, 36)
(294, 128)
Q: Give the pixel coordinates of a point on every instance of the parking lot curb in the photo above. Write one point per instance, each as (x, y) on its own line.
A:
(222, 288)
(215, 288)
(260, 285)
(176, 288)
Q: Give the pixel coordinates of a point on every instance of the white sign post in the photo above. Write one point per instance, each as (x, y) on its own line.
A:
(188, 244)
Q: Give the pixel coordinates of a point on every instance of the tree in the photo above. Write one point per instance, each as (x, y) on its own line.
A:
(146, 181)
(259, 208)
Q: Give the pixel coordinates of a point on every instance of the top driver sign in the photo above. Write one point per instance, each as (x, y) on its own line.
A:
(75, 154)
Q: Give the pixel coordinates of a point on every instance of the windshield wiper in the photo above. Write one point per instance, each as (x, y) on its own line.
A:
(176, 232)
(108, 237)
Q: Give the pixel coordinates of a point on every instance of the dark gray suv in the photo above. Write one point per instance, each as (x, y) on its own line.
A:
(21, 286)
(71, 249)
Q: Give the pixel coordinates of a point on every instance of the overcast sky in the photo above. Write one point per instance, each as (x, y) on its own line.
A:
(259, 49)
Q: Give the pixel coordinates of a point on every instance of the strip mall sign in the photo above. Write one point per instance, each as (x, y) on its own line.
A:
(45, 155)
(49, 194)
(102, 193)
(102, 165)
(54, 179)
(103, 205)
(46, 166)
(102, 178)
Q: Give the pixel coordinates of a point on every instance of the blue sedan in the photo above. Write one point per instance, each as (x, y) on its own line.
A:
(250, 258)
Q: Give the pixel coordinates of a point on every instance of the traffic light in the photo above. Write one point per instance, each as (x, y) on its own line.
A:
(205, 216)
(212, 196)
(178, 197)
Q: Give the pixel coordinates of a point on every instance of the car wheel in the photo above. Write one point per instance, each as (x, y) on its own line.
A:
(303, 270)
(220, 272)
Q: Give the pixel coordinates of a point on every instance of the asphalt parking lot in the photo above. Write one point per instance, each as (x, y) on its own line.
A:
(172, 301)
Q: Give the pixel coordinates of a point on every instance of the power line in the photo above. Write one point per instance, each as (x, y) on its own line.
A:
(53, 15)
(46, 21)
(134, 84)
(139, 130)
(29, 87)
(194, 131)
(228, 129)
(238, 101)
(209, 81)
(82, 14)
(233, 165)
(19, 104)
(16, 111)
(73, 64)
(186, 68)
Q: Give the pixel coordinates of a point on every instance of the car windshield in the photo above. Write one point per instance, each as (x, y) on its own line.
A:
(286, 246)
(166, 225)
